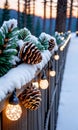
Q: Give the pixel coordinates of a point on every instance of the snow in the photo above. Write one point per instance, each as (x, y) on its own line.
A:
(14, 60)
(45, 59)
(11, 50)
(68, 108)
(20, 43)
(22, 74)
(43, 36)
(9, 24)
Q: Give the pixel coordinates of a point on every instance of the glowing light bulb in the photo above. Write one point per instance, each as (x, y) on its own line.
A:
(61, 48)
(77, 33)
(69, 31)
(35, 84)
(44, 84)
(13, 112)
(52, 73)
(56, 57)
(61, 33)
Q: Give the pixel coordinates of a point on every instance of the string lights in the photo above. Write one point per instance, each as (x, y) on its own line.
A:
(61, 48)
(35, 82)
(76, 33)
(44, 82)
(52, 72)
(69, 31)
(56, 56)
(65, 43)
(13, 110)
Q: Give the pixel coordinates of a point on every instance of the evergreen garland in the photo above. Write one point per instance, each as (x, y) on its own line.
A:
(7, 45)
(35, 41)
(12, 40)
(25, 35)
(59, 38)
(44, 40)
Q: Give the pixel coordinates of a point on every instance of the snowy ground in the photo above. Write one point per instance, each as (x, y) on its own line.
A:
(68, 108)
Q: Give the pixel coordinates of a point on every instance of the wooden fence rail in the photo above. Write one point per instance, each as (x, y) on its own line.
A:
(45, 117)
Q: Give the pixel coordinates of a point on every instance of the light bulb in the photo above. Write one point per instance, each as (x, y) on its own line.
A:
(77, 33)
(52, 73)
(56, 57)
(44, 83)
(35, 84)
(61, 48)
(69, 31)
(13, 112)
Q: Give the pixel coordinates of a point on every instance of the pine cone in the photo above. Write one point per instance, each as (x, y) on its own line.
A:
(31, 97)
(30, 54)
(51, 44)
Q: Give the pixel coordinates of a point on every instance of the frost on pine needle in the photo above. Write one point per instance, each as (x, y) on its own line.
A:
(9, 26)
(14, 60)
(23, 33)
(12, 23)
(48, 41)
(11, 50)
(34, 40)
(20, 44)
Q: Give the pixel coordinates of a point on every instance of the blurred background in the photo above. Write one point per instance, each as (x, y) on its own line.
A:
(41, 15)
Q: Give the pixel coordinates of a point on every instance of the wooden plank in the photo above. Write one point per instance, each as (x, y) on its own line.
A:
(39, 119)
(35, 120)
(28, 120)
(42, 110)
(51, 120)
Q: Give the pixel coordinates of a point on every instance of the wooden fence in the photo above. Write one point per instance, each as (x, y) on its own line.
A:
(45, 117)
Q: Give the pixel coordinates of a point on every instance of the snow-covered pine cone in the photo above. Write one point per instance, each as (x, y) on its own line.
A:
(51, 44)
(31, 98)
(30, 54)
